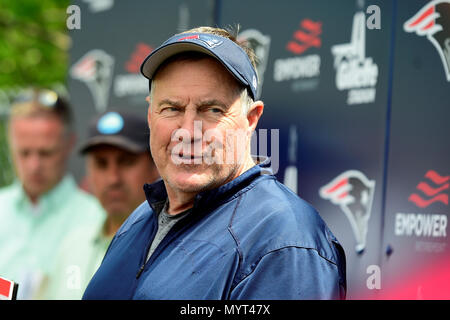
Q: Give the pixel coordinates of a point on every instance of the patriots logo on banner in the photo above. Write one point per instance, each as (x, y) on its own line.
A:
(353, 193)
(433, 21)
(95, 69)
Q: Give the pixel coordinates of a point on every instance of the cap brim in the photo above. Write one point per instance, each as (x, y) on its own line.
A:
(156, 58)
(115, 141)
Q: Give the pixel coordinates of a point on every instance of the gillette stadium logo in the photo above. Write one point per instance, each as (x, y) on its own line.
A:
(353, 192)
(433, 21)
(356, 72)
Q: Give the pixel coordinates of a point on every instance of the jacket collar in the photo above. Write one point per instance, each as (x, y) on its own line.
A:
(48, 201)
(156, 192)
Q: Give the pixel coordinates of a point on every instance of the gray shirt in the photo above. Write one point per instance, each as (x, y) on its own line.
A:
(165, 222)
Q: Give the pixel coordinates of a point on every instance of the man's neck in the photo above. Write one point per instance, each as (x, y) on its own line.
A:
(179, 201)
(33, 197)
(112, 225)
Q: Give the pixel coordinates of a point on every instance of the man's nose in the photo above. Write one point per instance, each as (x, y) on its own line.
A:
(192, 125)
(34, 162)
(113, 174)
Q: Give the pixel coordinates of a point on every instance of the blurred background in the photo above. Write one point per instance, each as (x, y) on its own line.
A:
(357, 108)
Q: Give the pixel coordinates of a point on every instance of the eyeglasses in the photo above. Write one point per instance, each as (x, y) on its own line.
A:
(45, 97)
(33, 101)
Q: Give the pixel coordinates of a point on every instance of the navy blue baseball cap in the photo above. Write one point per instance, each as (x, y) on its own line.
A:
(231, 55)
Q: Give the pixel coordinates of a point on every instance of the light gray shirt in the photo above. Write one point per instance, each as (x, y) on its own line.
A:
(165, 222)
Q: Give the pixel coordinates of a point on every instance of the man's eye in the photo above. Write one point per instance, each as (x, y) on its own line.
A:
(128, 161)
(24, 153)
(215, 110)
(100, 163)
(170, 110)
(46, 153)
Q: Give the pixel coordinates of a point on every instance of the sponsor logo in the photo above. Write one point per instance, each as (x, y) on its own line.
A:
(431, 192)
(142, 50)
(420, 225)
(353, 192)
(133, 83)
(428, 194)
(260, 44)
(95, 69)
(354, 71)
(433, 21)
(306, 38)
(304, 69)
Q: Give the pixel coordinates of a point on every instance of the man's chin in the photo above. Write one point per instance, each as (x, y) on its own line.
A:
(118, 210)
(191, 183)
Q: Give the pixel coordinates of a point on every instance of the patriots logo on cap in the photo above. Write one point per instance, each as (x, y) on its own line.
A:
(433, 21)
(209, 41)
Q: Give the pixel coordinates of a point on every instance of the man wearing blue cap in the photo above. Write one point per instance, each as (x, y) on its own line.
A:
(118, 163)
(218, 225)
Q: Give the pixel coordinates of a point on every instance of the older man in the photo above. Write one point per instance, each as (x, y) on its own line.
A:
(218, 225)
(118, 163)
(44, 203)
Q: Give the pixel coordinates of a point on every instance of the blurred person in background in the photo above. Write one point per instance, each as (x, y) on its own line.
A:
(44, 202)
(118, 164)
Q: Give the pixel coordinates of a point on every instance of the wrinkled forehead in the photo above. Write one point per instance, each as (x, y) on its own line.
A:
(198, 60)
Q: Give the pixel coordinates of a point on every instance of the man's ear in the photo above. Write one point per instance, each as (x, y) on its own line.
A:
(254, 113)
(149, 110)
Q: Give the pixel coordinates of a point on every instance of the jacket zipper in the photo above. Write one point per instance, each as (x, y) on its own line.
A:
(171, 235)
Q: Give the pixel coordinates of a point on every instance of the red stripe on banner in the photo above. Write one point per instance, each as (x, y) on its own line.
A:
(428, 26)
(436, 177)
(341, 183)
(295, 47)
(422, 203)
(430, 191)
(422, 17)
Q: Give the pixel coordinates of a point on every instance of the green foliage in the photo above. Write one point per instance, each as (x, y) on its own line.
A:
(33, 42)
(34, 45)
(6, 171)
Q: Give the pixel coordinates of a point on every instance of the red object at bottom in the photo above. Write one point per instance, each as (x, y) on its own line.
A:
(6, 288)
(431, 283)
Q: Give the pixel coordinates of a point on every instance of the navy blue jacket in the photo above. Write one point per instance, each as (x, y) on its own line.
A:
(251, 238)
